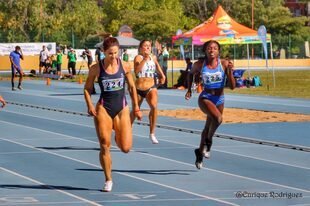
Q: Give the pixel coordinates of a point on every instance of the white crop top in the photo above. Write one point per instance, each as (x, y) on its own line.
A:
(148, 69)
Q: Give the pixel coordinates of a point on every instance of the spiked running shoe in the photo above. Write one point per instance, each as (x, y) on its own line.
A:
(153, 139)
(206, 154)
(108, 186)
(199, 158)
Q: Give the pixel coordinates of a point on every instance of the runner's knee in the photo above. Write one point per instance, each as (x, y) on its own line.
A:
(217, 120)
(105, 147)
(125, 149)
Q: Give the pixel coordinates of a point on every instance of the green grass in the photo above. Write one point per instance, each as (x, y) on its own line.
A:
(288, 83)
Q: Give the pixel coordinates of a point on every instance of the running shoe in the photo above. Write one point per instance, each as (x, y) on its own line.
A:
(206, 154)
(199, 159)
(20, 87)
(13, 89)
(108, 186)
(153, 139)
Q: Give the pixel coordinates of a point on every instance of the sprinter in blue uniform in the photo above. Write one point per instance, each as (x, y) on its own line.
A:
(214, 73)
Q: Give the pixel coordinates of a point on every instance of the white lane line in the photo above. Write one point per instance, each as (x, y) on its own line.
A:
(50, 187)
(124, 174)
(184, 163)
(232, 153)
(51, 119)
(174, 142)
(10, 153)
(229, 174)
(49, 95)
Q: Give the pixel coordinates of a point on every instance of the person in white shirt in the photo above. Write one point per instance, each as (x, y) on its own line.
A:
(43, 57)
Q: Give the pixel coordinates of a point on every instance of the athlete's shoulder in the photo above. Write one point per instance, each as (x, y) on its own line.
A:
(126, 66)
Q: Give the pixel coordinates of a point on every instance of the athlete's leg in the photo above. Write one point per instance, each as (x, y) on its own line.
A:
(123, 130)
(12, 78)
(103, 124)
(152, 99)
(204, 135)
(214, 113)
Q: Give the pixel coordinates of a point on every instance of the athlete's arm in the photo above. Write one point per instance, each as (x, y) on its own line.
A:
(228, 66)
(162, 78)
(195, 71)
(132, 90)
(88, 87)
(139, 62)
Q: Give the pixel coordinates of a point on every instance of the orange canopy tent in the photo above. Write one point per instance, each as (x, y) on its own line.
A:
(222, 28)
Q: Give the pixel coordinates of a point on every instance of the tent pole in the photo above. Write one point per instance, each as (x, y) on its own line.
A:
(273, 74)
(192, 51)
(248, 54)
(171, 69)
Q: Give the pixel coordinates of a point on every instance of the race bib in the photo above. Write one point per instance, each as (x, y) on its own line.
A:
(211, 78)
(110, 85)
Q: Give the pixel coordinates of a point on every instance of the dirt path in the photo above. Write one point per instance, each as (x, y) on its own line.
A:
(231, 115)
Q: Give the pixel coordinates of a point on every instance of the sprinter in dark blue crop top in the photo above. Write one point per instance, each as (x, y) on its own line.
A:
(111, 111)
(214, 73)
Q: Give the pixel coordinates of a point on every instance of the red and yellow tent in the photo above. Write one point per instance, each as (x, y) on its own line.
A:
(222, 28)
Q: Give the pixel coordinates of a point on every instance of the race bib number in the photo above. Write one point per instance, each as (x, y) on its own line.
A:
(110, 85)
(211, 78)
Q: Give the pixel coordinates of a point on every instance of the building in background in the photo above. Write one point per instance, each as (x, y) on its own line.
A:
(298, 8)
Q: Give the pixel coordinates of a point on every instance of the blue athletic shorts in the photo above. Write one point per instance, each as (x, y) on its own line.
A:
(217, 100)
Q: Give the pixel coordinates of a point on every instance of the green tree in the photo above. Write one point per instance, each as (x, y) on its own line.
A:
(284, 28)
(16, 19)
(49, 20)
(148, 18)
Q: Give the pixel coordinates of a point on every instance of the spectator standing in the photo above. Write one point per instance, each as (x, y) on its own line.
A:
(71, 62)
(15, 57)
(65, 50)
(99, 55)
(163, 62)
(125, 56)
(59, 62)
(43, 57)
(89, 57)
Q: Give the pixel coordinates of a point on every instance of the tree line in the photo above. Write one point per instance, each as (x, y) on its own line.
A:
(82, 21)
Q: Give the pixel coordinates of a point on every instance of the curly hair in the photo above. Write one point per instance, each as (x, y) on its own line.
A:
(206, 44)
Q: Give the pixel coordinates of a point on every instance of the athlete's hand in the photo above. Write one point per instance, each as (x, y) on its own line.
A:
(162, 80)
(188, 95)
(92, 111)
(2, 102)
(230, 66)
(138, 115)
(146, 56)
